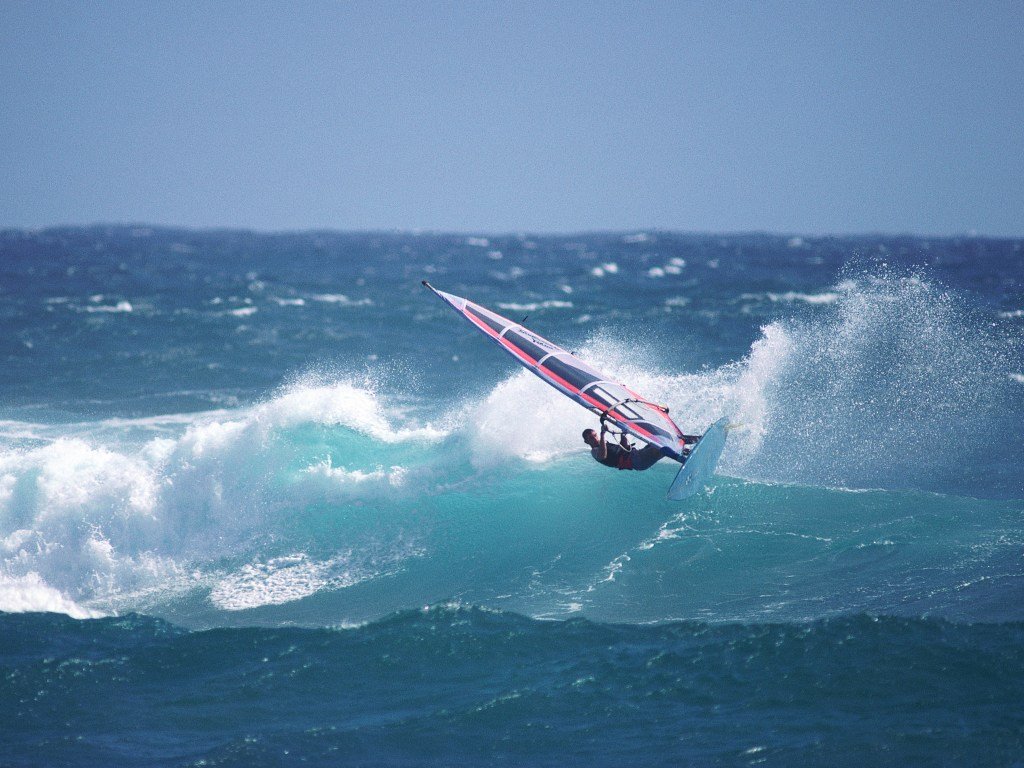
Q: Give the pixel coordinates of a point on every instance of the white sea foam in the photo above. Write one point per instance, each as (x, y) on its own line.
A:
(524, 418)
(341, 300)
(828, 297)
(535, 305)
(668, 531)
(288, 578)
(789, 297)
(343, 403)
(332, 482)
(30, 594)
(120, 307)
(85, 527)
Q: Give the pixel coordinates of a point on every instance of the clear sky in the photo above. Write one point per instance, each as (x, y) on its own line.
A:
(793, 117)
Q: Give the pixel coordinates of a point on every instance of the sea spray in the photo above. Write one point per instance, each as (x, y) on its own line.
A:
(895, 385)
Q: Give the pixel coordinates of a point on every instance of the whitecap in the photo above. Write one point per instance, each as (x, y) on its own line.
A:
(30, 594)
(828, 297)
(341, 299)
(121, 306)
(533, 306)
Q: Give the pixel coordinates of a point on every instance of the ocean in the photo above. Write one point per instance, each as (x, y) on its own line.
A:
(265, 501)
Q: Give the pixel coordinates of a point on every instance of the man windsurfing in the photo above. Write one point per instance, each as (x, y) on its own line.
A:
(623, 455)
(598, 393)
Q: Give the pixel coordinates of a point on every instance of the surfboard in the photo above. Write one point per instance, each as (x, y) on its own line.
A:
(699, 466)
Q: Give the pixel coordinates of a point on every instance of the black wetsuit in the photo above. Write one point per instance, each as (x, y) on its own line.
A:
(623, 458)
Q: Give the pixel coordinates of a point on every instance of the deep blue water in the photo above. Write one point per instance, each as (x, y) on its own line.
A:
(264, 500)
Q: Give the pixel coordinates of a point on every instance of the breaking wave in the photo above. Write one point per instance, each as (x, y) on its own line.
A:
(333, 501)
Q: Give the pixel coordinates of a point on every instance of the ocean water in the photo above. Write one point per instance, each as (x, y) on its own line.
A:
(264, 500)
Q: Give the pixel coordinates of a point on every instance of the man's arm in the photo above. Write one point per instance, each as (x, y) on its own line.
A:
(603, 446)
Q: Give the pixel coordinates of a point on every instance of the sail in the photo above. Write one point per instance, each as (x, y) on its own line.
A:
(574, 378)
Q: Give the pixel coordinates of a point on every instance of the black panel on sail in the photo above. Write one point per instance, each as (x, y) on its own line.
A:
(525, 345)
(494, 325)
(569, 373)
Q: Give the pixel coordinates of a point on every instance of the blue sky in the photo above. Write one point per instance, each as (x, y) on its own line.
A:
(791, 117)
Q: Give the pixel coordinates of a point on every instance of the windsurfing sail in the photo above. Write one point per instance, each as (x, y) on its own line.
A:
(645, 420)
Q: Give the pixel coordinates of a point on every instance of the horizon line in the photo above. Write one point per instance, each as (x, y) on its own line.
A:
(525, 233)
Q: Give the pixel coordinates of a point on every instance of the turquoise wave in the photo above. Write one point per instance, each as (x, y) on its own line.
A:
(314, 509)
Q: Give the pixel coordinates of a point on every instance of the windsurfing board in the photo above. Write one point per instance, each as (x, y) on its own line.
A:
(700, 465)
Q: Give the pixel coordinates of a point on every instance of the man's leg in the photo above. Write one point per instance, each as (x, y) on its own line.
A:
(646, 458)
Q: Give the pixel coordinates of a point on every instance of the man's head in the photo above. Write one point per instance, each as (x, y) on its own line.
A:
(590, 438)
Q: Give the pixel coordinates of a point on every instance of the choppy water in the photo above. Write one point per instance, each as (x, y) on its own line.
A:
(313, 516)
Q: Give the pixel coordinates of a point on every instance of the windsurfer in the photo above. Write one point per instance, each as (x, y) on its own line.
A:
(621, 456)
